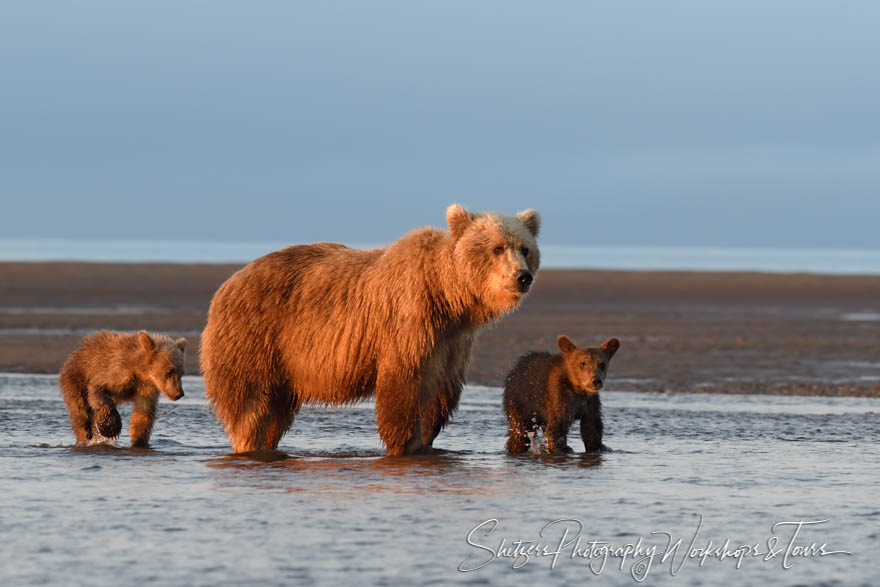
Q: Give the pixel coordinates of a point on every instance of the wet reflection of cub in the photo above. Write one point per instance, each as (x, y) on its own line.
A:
(110, 368)
(551, 391)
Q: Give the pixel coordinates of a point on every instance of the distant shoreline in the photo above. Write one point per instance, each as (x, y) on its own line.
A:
(681, 331)
(585, 257)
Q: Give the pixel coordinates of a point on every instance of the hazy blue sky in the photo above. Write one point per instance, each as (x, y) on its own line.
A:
(736, 123)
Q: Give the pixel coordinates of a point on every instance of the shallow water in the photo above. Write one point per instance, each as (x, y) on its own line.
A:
(335, 511)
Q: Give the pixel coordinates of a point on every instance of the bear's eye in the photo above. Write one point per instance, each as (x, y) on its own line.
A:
(583, 364)
(170, 373)
(498, 250)
(524, 251)
(602, 365)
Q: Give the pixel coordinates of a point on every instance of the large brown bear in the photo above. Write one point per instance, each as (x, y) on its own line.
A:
(327, 324)
(109, 368)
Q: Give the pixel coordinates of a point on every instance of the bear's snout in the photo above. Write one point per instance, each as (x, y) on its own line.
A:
(174, 395)
(524, 280)
(597, 383)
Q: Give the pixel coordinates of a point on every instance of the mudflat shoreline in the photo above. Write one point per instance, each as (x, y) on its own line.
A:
(679, 331)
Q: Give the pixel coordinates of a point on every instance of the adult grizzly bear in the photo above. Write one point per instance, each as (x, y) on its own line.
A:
(326, 324)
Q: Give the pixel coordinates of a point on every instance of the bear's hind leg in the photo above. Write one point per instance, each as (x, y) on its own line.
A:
(283, 407)
(241, 406)
(75, 396)
(518, 440)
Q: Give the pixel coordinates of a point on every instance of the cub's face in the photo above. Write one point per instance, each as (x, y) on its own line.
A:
(166, 365)
(586, 368)
(497, 255)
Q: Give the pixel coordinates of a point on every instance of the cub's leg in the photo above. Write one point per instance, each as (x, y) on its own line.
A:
(591, 431)
(519, 429)
(76, 397)
(106, 417)
(556, 433)
(140, 425)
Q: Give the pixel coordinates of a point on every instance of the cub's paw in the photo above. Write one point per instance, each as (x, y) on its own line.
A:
(109, 423)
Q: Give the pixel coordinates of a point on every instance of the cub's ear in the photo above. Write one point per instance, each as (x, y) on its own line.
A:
(458, 220)
(610, 346)
(565, 344)
(145, 341)
(531, 219)
(181, 343)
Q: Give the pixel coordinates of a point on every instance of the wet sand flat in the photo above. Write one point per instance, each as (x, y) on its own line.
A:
(679, 331)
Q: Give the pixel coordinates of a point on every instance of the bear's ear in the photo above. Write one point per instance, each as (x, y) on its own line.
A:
(181, 343)
(145, 341)
(565, 344)
(458, 220)
(610, 346)
(531, 219)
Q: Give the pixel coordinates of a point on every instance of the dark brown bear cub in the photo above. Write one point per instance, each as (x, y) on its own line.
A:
(111, 367)
(550, 392)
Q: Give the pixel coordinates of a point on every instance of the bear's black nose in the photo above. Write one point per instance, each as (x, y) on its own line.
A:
(597, 382)
(524, 279)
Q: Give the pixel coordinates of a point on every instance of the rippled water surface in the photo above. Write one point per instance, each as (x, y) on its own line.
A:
(335, 511)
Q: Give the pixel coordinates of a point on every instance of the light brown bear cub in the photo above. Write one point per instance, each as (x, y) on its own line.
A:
(550, 392)
(109, 368)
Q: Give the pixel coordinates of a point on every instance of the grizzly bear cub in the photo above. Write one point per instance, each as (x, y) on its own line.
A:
(112, 367)
(551, 391)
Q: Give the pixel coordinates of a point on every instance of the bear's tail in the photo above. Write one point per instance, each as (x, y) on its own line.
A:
(75, 394)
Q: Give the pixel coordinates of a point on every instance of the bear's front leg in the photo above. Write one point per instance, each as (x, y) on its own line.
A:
(591, 428)
(140, 425)
(105, 415)
(438, 411)
(591, 431)
(398, 415)
(556, 436)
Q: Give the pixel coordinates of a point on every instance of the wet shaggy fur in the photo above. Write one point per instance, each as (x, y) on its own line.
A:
(551, 391)
(109, 368)
(327, 324)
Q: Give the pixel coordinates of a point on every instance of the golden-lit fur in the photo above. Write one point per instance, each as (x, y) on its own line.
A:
(111, 367)
(326, 324)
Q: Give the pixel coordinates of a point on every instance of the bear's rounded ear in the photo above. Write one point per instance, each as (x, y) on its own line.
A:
(181, 343)
(565, 344)
(531, 219)
(610, 346)
(145, 341)
(458, 220)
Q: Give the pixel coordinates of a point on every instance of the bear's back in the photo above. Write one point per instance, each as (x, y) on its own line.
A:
(103, 358)
(294, 272)
(527, 383)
